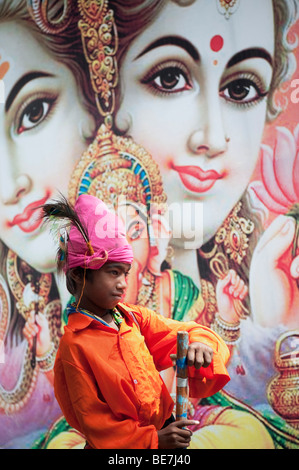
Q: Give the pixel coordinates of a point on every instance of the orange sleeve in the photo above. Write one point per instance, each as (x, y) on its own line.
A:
(160, 335)
(80, 400)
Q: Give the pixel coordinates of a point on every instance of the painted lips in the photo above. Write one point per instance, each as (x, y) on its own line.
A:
(30, 218)
(195, 179)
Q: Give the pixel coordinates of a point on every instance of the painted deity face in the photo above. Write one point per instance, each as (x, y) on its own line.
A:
(40, 141)
(194, 88)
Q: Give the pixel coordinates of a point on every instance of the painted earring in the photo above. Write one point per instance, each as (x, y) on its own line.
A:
(38, 9)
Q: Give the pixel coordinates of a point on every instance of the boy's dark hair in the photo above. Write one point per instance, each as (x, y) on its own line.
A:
(71, 284)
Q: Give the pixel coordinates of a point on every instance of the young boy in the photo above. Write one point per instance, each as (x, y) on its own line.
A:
(107, 379)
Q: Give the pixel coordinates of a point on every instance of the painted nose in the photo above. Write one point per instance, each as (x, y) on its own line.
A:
(208, 137)
(17, 189)
(209, 146)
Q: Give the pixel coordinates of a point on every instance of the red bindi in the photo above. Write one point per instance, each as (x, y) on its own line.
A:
(216, 43)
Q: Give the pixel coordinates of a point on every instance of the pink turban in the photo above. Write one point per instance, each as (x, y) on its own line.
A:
(106, 233)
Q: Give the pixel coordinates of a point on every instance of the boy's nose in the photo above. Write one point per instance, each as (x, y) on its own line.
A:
(122, 282)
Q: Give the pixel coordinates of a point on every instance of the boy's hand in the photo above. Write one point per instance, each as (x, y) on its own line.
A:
(175, 435)
(198, 355)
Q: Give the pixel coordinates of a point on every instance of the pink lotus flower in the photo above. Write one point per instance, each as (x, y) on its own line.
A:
(279, 188)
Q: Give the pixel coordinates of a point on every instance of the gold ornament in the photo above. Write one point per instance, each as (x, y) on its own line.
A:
(227, 7)
(283, 390)
(229, 332)
(39, 12)
(14, 400)
(233, 235)
(100, 44)
(209, 297)
(5, 309)
(17, 286)
(114, 169)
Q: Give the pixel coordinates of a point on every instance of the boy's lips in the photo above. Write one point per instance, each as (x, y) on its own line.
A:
(30, 218)
(195, 179)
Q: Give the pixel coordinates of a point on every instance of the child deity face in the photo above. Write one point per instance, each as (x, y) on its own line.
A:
(194, 91)
(40, 141)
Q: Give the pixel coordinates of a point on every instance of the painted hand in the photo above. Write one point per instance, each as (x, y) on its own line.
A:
(273, 276)
(37, 325)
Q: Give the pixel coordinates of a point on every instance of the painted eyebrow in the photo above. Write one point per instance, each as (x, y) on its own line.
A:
(20, 84)
(172, 41)
(250, 54)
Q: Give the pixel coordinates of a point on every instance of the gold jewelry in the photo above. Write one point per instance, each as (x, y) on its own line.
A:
(116, 169)
(148, 292)
(46, 362)
(209, 297)
(5, 309)
(229, 332)
(14, 400)
(18, 287)
(169, 255)
(39, 12)
(100, 44)
(227, 7)
(233, 236)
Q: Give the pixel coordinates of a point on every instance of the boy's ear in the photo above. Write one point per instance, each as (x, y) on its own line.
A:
(76, 275)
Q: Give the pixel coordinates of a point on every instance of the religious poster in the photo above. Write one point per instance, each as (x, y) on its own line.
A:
(182, 116)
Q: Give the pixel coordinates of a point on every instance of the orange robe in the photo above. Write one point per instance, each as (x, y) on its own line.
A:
(107, 382)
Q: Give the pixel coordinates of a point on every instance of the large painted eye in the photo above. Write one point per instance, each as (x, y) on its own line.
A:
(34, 114)
(243, 91)
(168, 78)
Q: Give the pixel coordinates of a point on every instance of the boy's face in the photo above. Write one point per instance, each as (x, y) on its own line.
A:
(105, 288)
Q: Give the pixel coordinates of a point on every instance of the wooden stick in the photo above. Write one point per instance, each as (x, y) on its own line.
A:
(182, 375)
(33, 350)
